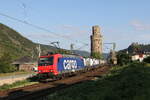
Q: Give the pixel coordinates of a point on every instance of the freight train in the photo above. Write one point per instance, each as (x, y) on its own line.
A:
(58, 65)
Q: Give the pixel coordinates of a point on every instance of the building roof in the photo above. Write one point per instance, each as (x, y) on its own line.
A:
(24, 60)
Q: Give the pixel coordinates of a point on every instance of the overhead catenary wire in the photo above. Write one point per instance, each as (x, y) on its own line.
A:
(25, 22)
(24, 7)
(39, 27)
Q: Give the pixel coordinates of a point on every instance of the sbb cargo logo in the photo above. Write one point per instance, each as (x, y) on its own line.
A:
(70, 64)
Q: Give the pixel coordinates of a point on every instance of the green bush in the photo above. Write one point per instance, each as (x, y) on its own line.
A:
(9, 86)
(96, 55)
(5, 63)
(147, 60)
(123, 58)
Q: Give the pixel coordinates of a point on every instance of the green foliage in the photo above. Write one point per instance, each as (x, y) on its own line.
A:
(12, 42)
(22, 83)
(17, 45)
(130, 82)
(123, 58)
(9, 86)
(96, 55)
(147, 59)
(137, 48)
(5, 64)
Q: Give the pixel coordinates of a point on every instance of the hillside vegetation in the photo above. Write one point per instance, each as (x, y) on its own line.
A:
(16, 45)
(137, 48)
(130, 82)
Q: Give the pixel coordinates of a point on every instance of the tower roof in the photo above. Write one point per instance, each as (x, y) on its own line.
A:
(96, 29)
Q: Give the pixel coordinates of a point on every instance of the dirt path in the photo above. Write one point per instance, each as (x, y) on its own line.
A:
(13, 78)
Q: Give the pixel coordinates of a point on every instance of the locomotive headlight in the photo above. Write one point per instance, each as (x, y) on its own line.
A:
(40, 71)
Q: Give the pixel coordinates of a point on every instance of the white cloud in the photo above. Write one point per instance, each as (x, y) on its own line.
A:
(140, 26)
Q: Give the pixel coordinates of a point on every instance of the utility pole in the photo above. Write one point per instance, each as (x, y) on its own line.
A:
(39, 50)
(113, 58)
(113, 45)
(32, 54)
(71, 47)
(56, 45)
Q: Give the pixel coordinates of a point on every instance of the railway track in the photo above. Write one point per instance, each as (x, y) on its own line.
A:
(42, 89)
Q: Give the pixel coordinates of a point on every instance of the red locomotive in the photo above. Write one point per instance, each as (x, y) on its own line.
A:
(57, 64)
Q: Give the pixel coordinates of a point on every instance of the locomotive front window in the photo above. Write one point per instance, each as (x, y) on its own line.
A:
(46, 61)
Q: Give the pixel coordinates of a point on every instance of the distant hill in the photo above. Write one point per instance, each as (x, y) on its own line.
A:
(82, 53)
(18, 46)
(135, 48)
(14, 43)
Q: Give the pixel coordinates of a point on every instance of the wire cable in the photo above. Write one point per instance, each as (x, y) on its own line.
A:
(38, 27)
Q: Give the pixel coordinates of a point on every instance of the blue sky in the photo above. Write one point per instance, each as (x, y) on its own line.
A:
(121, 21)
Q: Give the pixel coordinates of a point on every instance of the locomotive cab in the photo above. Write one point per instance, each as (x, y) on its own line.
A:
(48, 64)
(45, 64)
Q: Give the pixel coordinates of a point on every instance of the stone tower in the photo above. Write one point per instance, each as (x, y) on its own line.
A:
(96, 40)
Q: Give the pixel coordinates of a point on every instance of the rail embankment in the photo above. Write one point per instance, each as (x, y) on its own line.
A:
(129, 82)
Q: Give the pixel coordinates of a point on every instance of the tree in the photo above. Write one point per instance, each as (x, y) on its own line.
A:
(96, 55)
(5, 63)
(123, 58)
(147, 59)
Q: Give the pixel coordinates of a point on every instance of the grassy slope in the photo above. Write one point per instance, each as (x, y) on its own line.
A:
(130, 82)
(14, 43)
(17, 45)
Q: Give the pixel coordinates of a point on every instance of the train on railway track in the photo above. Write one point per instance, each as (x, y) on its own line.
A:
(61, 65)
